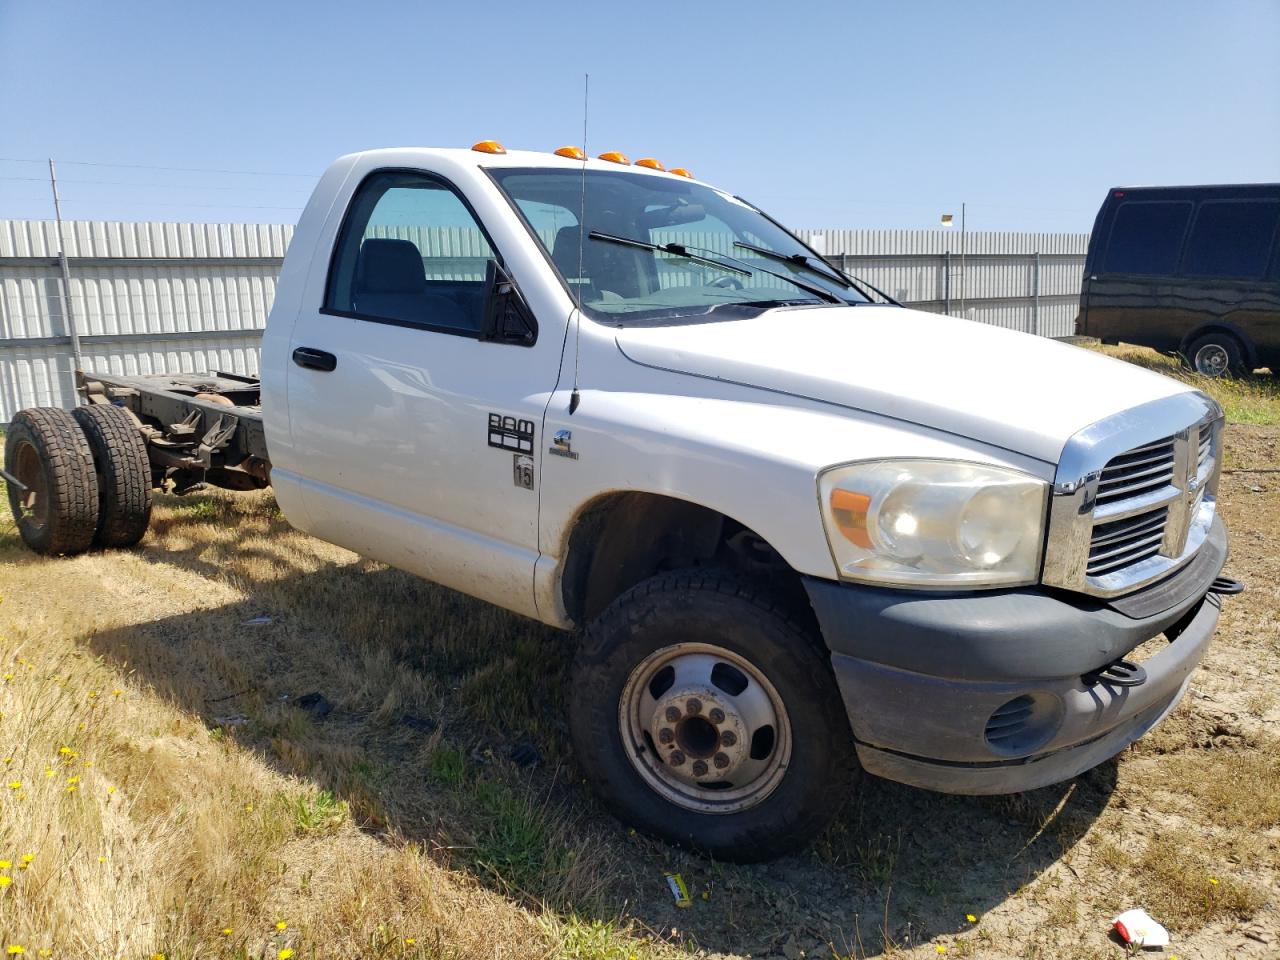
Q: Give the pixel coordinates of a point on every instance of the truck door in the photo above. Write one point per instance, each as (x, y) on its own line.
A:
(416, 438)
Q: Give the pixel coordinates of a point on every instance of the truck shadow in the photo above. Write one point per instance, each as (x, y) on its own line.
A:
(441, 720)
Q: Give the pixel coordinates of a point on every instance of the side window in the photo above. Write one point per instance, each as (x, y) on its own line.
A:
(1146, 237)
(410, 252)
(1231, 238)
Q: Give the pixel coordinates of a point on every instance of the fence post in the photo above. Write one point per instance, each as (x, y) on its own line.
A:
(1035, 296)
(946, 282)
(68, 311)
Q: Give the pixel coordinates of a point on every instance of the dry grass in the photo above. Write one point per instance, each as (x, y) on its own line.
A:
(207, 800)
(1250, 400)
(155, 819)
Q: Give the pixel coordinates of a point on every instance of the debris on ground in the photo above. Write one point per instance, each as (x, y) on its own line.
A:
(525, 754)
(231, 720)
(679, 892)
(1137, 928)
(259, 621)
(316, 704)
(420, 724)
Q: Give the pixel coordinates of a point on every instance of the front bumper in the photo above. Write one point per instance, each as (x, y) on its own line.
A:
(989, 693)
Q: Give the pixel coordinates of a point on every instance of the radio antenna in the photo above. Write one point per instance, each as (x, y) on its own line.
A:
(575, 398)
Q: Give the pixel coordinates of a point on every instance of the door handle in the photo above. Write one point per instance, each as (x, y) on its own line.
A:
(314, 359)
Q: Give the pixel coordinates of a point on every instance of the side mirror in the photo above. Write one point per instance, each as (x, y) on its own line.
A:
(507, 319)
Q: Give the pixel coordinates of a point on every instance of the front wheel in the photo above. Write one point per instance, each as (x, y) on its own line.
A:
(704, 714)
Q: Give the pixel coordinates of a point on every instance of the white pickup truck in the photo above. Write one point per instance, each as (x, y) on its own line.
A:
(801, 530)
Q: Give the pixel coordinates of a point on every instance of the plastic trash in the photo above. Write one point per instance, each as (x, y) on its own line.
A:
(679, 892)
(1136, 927)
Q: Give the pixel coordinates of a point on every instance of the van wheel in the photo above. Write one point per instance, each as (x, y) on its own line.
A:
(124, 474)
(56, 504)
(1217, 355)
(704, 714)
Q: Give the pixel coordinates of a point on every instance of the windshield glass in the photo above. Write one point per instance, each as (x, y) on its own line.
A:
(698, 226)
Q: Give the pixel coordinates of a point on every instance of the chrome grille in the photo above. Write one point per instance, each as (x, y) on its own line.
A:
(1128, 509)
(1120, 543)
(1136, 472)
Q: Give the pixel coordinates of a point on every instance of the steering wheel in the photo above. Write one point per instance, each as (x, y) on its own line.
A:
(727, 282)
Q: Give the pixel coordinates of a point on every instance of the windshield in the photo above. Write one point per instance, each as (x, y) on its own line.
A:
(694, 250)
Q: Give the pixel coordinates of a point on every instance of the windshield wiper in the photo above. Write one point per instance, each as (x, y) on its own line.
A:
(801, 260)
(684, 250)
(675, 249)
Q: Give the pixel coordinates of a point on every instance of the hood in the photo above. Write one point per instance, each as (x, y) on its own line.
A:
(1025, 393)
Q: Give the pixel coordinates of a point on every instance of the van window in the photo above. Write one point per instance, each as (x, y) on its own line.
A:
(410, 253)
(1146, 237)
(1231, 238)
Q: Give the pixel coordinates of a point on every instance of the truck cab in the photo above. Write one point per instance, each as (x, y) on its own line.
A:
(801, 531)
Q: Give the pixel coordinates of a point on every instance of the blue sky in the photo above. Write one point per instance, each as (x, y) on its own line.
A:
(826, 114)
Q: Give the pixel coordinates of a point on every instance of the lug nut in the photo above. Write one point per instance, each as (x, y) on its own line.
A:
(673, 714)
(699, 768)
(677, 758)
(716, 715)
(666, 735)
(693, 705)
(728, 738)
(721, 760)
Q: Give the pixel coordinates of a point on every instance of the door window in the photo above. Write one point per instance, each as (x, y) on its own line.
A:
(1231, 238)
(1147, 237)
(411, 253)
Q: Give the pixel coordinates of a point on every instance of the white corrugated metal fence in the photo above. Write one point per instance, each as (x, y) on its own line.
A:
(170, 297)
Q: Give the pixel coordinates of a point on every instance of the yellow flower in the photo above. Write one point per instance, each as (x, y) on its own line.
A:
(66, 751)
(5, 881)
(73, 779)
(27, 858)
(226, 931)
(15, 784)
(93, 694)
(940, 948)
(102, 859)
(45, 952)
(248, 808)
(48, 772)
(281, 925)
(8, 760)
(71, 789)
(116, 693)
(111, 789)
(409, 941)
(285, 954)
(157, 956)
(1214, 881)
(8, 677)
(14, 949)
(971, 918)
(5, 864)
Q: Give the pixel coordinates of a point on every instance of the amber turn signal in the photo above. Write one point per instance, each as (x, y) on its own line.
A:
(613, 156)
(849, 510)
(488, 146)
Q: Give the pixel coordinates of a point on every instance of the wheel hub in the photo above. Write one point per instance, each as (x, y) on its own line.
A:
(699, 735)
(1212, 360)
(705, 728)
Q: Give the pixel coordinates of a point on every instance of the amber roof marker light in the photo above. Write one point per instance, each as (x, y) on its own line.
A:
(614, 156)
(488, 146)
(573, 153)
(681, 172)
(651, 163)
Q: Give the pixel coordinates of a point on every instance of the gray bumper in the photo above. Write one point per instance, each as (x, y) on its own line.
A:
(987, 693)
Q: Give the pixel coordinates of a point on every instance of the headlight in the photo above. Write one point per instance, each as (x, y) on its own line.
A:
(934, 523)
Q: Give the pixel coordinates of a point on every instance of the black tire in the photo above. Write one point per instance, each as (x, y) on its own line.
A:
(1217, 354)
(714, 607)
(45, 449)
(124, 474)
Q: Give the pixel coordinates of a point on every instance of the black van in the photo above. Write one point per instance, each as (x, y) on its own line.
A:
(1188, 270)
